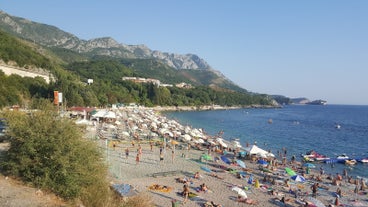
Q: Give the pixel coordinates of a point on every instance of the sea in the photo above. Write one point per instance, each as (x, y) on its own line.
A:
(294, 128)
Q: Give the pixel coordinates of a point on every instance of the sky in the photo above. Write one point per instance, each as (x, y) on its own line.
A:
(314, 49)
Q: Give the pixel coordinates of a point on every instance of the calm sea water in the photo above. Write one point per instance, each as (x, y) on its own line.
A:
(298, 128)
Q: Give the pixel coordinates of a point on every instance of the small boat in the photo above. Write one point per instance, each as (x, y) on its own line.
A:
(337, 126)
(350, 162)
(314, 156)
(364, 160)
(342, 157)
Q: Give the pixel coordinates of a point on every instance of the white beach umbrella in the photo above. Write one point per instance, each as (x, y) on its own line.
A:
(211, 142)
(124, 133)
(219, 140)
(187, 137)
(223, 144)
(200, 141)
(170, 134)
(153, 134)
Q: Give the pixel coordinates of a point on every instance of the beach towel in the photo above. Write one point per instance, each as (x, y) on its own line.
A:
(125, 190)
(160, 188)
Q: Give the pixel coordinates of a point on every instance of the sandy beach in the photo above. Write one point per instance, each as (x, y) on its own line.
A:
(159, 178)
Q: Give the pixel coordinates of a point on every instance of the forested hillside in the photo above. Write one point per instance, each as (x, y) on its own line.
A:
(71, 71)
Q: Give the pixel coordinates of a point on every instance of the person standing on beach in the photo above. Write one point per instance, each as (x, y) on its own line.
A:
(137, 159)
(314, 189)
(151, 145)
(161, 157)
(140, 151)
(127, 153)
(172, 156)
(345, 173)
(185, 193)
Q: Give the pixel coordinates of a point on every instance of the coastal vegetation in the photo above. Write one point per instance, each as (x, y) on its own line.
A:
(50, 153)
(71, 75)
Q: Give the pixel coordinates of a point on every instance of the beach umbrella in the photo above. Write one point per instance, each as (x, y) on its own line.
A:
(187, 137)
(262, 155)
(223, 144)
(174, 142)
(206, 169)
(225, 159)
(240, 191)
(298, 178)
(200, 141)
(262, 162)
(310, 165)
(240, 163)
(290, 171)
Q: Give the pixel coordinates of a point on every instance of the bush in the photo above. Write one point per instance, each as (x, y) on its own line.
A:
(49, 152)
(140, 200)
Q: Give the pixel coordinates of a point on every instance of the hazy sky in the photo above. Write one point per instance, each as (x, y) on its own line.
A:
(314, 49)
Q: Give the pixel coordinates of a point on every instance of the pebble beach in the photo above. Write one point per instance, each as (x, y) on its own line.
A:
(165, 161)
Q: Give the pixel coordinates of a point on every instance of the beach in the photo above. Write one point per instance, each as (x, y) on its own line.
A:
(162, 180)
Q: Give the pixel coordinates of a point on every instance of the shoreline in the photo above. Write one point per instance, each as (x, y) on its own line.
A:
(208, 107)
(183, 163)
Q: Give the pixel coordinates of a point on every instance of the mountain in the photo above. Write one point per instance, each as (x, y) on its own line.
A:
(51, 36)
(59, 41)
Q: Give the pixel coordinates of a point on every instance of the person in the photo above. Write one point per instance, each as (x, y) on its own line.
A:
(151, 145)
(287, 183)
(196, 175)
(203, 187)
(246, 200)
(127, 153)
(185, 193)
(216, 176)
(345, 173)
(314, 189)
(137, 159)
(337, 203)
(338, 192)
(172, 156)
(363, 186)
(338, 177)
(140, 151)
(161, 157)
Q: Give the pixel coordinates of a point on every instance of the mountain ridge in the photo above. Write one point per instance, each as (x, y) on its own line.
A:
(51, 36)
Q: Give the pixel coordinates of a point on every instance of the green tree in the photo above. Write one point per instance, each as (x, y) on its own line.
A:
(49, 152)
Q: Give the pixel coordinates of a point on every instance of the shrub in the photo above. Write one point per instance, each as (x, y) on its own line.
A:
(140, 200)
(49, 152)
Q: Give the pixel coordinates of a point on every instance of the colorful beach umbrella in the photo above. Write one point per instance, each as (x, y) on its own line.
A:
(298, 178)
(241, 163)
(262, 162)
(290, 171)
(225, 159)
(173, 142)
(310, 165)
